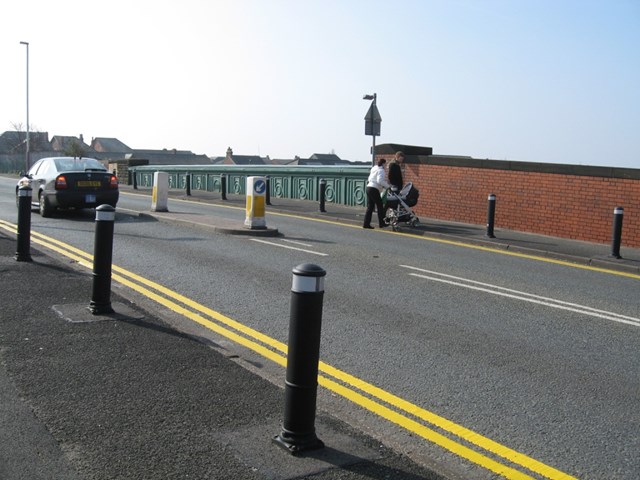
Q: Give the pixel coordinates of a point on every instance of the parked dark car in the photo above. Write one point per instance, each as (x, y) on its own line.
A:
(68, 182)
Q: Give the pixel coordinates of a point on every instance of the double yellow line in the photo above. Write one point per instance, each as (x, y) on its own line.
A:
(438, 430)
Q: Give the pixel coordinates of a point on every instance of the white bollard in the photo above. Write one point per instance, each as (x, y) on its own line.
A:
(256, 190)
(160, 193)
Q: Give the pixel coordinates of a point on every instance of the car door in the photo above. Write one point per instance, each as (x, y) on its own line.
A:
(36, 181)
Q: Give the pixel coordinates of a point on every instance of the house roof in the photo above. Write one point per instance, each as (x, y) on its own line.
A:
(282, 161)
(325, 157)
(245, 160)
(59, 143)
(13, 141)
(109, 145)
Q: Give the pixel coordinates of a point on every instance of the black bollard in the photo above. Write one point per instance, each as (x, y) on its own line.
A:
(135, 180)
(23, 252)
(267, 193)
(102, 256)
(301, 385)
(223, 186)
(491, 214)
(188, 182)
(618, 214)
(323, 189)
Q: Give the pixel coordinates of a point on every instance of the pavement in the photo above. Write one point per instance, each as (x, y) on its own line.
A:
(128, 396)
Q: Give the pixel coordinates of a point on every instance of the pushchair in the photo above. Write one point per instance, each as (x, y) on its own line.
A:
(398, 206)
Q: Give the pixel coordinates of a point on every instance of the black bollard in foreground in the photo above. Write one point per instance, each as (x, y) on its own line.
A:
(298, 428)
(323, 190)
(188, 182)
(102, 256)
(23, 253)
(491, 214)
(618, 214)
(135, 180)
(223, 186)
(267, 193)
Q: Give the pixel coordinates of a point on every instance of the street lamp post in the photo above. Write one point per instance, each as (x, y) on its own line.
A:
(27, 162)
(372, 123)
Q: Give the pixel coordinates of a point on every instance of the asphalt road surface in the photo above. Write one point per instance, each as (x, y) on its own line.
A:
(534, 364)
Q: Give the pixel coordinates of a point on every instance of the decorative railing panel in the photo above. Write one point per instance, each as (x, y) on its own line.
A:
(344, 185)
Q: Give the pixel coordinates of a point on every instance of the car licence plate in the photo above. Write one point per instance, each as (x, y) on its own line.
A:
(90, 198)
(89, 183)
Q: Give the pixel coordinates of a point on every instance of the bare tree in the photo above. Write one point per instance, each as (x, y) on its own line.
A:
(74, 149)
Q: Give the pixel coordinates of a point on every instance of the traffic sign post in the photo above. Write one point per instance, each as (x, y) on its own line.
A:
(256, 192)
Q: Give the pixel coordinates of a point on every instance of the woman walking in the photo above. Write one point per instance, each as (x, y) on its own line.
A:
(376, 183)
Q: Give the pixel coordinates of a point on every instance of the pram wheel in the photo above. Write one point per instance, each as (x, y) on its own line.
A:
(415, 222)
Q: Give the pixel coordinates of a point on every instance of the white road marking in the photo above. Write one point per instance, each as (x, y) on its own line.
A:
(287, 246)
(524, 296)
(297, 243)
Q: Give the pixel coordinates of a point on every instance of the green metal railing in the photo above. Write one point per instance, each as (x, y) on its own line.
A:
(345, 185)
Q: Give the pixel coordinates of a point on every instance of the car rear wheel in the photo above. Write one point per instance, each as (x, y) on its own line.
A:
(46, 210)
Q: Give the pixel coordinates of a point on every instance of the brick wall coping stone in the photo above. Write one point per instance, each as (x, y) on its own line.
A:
(423, 155)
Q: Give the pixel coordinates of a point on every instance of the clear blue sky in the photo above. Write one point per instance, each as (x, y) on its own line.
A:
(554, 81)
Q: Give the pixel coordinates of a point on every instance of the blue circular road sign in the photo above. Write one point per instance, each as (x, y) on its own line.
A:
(260, 187)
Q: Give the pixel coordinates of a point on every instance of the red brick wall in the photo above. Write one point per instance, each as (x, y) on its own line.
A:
(562, 205)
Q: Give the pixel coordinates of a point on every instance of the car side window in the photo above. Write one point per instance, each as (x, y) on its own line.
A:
(46, 167)
(34, 169)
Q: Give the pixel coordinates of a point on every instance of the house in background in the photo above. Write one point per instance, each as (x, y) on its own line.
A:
(315, 159)
(119, 157)
(110, 146)
(60, 143)
(232, 159)
(321, 159)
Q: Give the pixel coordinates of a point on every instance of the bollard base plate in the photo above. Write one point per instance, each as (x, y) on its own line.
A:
(300, 444)
(104, 309)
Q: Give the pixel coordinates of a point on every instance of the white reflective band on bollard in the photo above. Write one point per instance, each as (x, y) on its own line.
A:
(102, 216)
(492, 197)
(26, 192)
(618, 210)
(302, 284)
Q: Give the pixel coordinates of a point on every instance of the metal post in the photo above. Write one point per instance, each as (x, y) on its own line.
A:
(618, 214)
(491, 213)
(298, 428)
(102, 257)
(373, 131)
(23, 253)
(135, 179)
(373, 151)
(223, 186)
(188, 182)
(267, 193)
(28, 146)
(323, 189)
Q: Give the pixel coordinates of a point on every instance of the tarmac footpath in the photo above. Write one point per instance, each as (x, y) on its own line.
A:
(126, 396)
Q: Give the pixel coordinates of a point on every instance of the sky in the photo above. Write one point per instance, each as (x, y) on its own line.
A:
(551, 81)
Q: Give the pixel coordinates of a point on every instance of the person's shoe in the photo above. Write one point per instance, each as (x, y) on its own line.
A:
(367, 226)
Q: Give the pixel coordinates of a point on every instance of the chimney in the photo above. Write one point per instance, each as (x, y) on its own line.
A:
(81, 138)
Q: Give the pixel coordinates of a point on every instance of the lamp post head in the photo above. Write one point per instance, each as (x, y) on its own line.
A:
(369, 97)
(24, 43)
